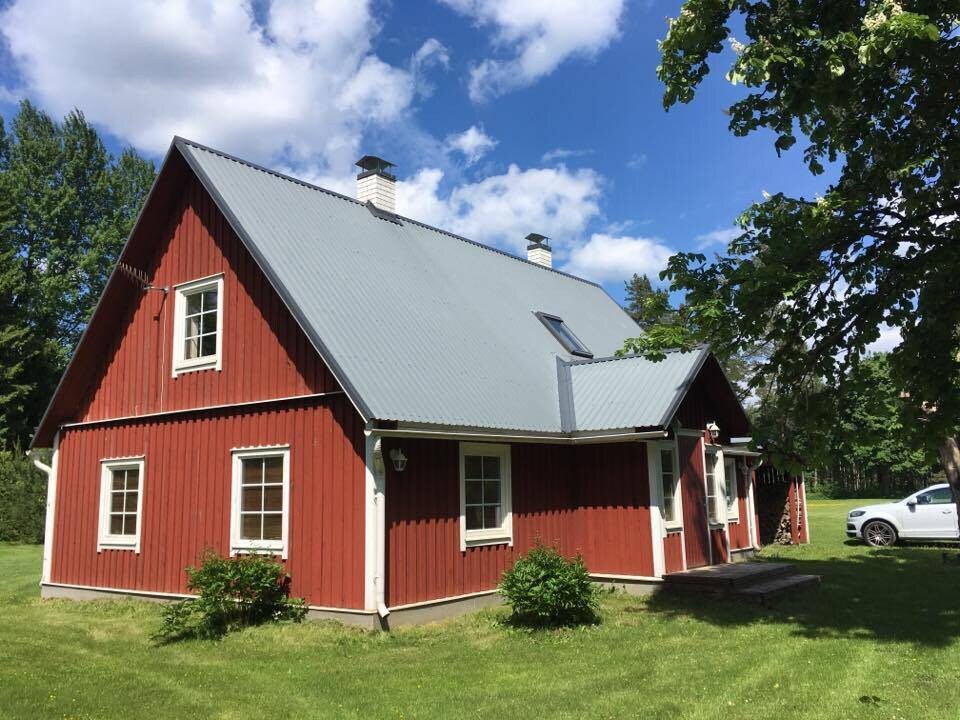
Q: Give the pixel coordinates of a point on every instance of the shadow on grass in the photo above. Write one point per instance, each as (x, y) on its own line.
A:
(900, 594)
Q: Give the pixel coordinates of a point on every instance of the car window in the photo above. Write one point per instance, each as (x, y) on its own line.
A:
(940, 496)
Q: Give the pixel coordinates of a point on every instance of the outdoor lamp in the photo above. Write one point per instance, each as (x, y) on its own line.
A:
(399, 459)
(714, 430)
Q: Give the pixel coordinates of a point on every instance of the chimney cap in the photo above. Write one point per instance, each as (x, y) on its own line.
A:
(373, 165)
(537, 240)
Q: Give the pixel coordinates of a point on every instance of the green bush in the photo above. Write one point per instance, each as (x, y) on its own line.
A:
(231, 593)
(545, 589)
(23, 498)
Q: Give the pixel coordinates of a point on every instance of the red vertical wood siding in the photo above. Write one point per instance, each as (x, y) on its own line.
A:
(187, 491)
(673, 552)
(264, 353)
(613, 494)
(592, 500)
(693, 496)
(719, 544)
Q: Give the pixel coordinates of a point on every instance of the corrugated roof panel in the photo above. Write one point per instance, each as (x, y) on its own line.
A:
(630, 392)
(428, 327)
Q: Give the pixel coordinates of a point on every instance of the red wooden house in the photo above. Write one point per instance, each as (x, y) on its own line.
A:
(396, 411)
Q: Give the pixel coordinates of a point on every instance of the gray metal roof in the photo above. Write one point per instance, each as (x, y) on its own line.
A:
(423, 326)
(627, 392)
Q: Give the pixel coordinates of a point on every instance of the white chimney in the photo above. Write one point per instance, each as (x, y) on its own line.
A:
(538, 250)
(375, 184)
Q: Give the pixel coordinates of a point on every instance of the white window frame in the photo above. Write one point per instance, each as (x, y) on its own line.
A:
(106, 540)
(677, 522)
(719, 493)
(240, 545)
(181, 364)
(502, 535)
(730, 484)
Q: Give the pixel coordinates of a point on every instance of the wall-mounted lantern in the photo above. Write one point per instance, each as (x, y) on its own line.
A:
(399, 459)
(714, 431)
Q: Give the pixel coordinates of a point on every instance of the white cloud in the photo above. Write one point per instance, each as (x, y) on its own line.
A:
(636, 162)
(431, 54)
(502, 209)
(717, 237)
(473, 143)
(561, 154)
(890, 337)
(608, 258)
(536, 36)
(301, 88)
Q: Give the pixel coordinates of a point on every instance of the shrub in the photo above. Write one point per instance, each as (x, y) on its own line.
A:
(231, 593)
(545, 589)
(23, 498)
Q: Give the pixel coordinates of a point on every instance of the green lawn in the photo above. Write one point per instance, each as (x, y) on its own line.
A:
(878, 640)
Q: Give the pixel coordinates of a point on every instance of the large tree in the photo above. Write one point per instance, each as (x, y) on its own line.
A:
(871, 88)
(66, 206)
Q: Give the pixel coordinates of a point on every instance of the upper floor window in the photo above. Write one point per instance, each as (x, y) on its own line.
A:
(562, 332)
(121, 500)
(198, 325)
(261, 500)
(485, 516)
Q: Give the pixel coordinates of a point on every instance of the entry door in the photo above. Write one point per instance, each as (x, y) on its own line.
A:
(933, 516)
(695, 531)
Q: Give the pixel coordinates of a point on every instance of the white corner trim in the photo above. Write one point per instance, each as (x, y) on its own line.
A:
(658, 529)
(502, 535)
(50, 520)
(238, 545)
(106, 540)
(180, 363)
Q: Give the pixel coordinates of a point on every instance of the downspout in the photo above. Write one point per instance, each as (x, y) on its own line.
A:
(51, 472)
(380, 527)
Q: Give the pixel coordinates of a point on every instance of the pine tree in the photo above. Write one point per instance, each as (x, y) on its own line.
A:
(66, 207)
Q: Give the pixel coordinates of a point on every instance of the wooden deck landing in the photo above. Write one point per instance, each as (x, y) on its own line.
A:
(760, 582)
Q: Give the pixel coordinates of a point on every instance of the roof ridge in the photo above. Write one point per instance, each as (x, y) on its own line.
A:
(297, 181)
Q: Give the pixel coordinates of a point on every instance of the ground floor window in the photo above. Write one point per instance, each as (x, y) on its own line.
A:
(485, 494)
(667, 468)
(715, 494)
(261, 500)
(730, 488)
(121, 500)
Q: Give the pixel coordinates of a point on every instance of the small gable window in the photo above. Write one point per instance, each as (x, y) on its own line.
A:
(198, 328)
(559, 329)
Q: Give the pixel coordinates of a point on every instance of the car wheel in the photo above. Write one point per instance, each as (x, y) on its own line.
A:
(878, 533)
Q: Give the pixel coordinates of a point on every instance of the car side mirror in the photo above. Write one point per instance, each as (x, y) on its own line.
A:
(911, 504)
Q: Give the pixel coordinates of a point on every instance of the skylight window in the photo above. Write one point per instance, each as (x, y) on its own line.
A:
(571, 343)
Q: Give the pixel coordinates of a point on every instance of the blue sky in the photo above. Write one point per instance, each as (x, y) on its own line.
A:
(503, 117)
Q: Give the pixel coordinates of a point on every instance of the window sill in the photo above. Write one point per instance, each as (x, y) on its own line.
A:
(209, 365)
(246, 550)
(118, 545)
(674, 528)
(481, 541)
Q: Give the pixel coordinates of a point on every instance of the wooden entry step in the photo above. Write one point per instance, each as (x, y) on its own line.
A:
(761, 582)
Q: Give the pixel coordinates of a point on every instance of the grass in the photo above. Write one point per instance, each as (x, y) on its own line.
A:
(878, 640)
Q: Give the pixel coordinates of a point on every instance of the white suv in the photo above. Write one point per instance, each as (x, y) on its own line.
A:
(926, 515)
